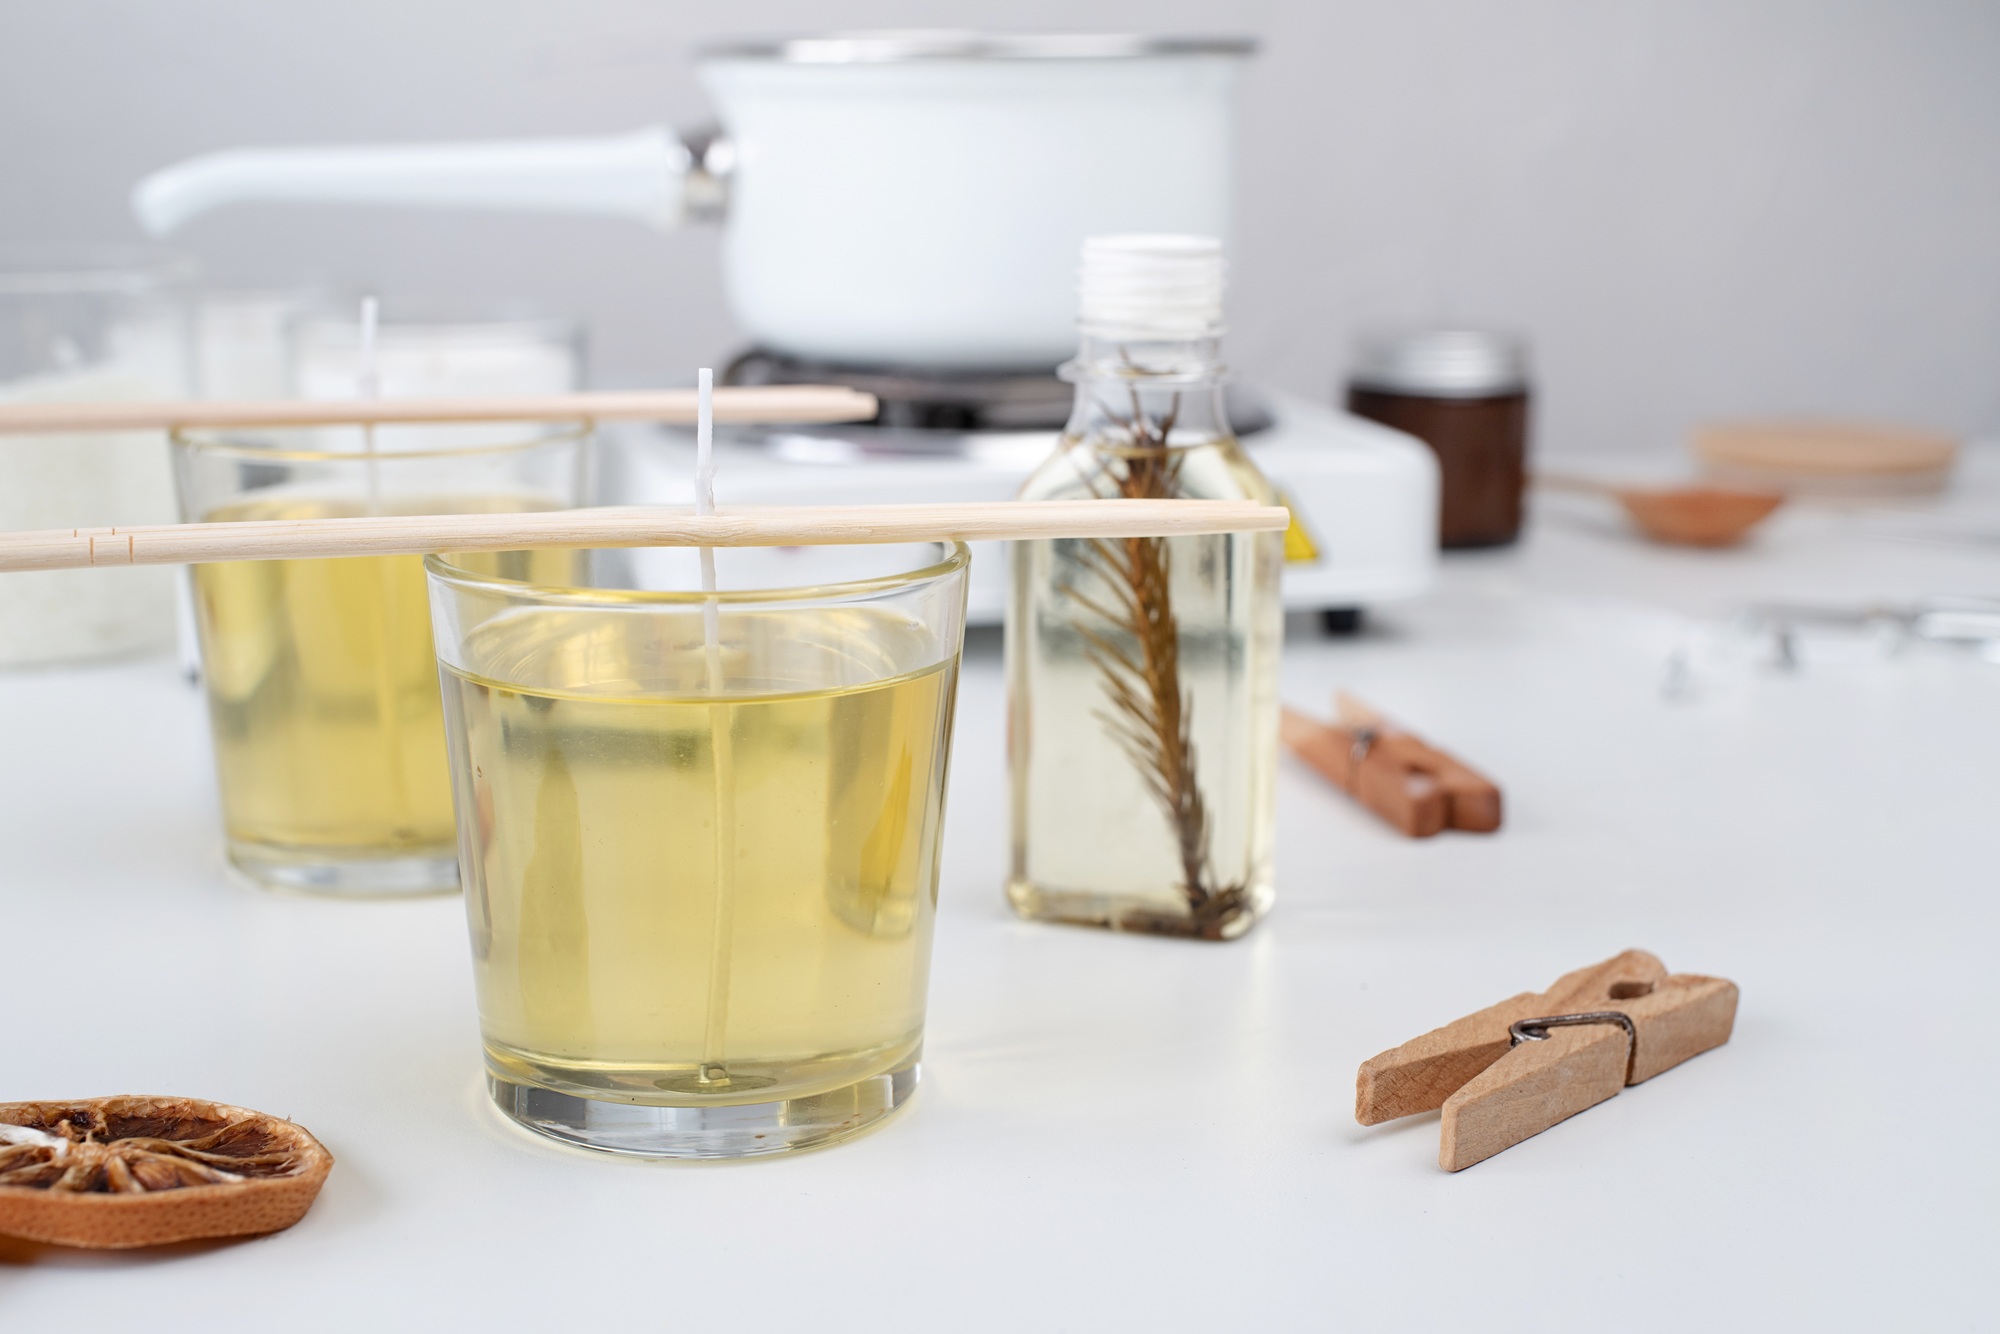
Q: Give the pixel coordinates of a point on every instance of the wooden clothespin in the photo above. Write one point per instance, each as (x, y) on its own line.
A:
(1516, 1068)
(1414, 786)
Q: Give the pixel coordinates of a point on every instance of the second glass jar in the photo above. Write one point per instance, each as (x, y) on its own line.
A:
(322, 683)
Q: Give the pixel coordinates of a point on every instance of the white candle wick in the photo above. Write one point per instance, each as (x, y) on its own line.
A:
(369, 381)
(366, 373)
(705, 503)
(715, 1028)
(704, 442)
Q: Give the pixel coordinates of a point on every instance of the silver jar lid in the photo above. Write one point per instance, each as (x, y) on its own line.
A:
(894, 46)
(1441, 363)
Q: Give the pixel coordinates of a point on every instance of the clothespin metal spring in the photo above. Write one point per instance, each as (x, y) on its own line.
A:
(1365, 737)
(1537, 1030)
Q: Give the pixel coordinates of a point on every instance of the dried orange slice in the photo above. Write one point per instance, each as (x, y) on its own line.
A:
(113, 1173)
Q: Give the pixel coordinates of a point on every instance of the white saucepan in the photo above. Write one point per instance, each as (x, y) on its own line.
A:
(912, 199)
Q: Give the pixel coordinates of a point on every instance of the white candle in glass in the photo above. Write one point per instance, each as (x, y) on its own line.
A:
(92, 335)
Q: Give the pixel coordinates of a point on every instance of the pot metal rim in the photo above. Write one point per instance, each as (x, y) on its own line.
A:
(896, 47)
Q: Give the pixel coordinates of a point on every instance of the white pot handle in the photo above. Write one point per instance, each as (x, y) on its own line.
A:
(650, 175)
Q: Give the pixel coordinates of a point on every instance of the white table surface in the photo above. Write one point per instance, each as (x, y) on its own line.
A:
(1121, 1133)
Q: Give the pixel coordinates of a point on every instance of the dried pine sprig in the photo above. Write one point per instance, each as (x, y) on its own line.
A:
(1150, 716)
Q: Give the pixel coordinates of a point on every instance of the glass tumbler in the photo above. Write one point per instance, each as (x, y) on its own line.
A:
(99, 328)
(322, 682)
(699, 836)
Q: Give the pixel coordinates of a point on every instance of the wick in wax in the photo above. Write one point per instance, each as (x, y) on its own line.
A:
(369, 383)
(714, 1074)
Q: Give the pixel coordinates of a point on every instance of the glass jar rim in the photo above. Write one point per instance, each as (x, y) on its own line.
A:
(239, 442)
(92, 270)
(956, 558)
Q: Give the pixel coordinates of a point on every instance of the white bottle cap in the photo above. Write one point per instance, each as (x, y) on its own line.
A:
(1151, 287)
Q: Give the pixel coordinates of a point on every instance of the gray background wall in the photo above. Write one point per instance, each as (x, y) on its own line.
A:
(1693, 207)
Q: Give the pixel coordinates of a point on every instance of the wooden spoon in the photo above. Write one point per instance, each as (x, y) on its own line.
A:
(1686, 516)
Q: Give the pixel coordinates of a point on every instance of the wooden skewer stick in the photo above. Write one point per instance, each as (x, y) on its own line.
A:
(630, 526)
(769, 404)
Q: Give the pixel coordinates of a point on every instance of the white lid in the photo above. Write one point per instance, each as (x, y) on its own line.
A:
(1161, 287)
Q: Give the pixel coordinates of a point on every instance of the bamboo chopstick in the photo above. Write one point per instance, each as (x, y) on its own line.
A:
(630, 526)
(769, 404)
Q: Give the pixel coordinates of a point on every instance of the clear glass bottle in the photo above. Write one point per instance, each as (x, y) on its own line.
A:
(1142, 672)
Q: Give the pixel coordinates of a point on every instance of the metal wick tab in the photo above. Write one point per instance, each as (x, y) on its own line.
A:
(1537, 1030)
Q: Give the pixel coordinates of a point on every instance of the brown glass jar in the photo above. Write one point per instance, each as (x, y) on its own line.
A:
(1465, 394)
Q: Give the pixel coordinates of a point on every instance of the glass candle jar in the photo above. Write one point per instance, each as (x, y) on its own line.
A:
(699, 835)
(322, 684)
(87, 332)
